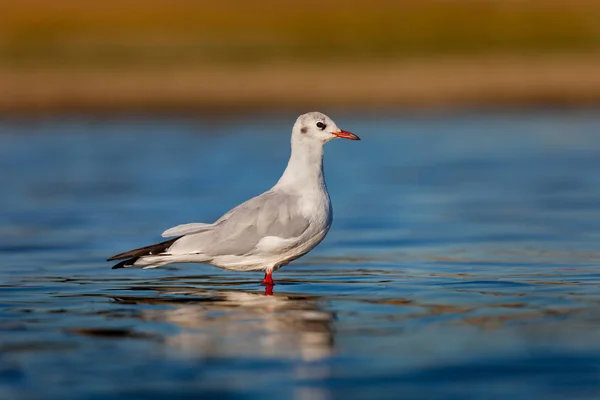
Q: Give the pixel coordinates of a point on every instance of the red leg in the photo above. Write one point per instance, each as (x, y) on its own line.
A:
(268, 282)
(269, 290)
(268, 279)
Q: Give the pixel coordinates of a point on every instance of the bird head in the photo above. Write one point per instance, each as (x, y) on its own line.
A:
(318, 127)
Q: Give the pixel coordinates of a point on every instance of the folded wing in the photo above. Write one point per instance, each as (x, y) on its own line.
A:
(186, 229)
(272, 214)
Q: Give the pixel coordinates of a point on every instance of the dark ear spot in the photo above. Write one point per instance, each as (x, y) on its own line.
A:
(304, 129)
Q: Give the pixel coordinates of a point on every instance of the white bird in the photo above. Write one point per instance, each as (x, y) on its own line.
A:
(267, 231)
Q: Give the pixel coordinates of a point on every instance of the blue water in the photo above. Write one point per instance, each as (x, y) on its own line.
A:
(462, 262)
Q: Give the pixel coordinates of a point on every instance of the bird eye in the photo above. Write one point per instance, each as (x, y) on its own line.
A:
(321, 125)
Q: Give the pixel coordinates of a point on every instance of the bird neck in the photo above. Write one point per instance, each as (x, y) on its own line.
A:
(305, 167)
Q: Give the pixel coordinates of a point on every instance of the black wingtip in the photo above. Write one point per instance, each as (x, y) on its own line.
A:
(153, 249)
(125, 264)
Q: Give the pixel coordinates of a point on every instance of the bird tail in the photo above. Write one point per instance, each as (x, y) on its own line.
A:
(131, 256)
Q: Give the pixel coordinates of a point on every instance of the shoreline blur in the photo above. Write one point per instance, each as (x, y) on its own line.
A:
(181, 56)
(438, 84)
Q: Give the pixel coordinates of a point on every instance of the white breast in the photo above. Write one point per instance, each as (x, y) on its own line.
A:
(273, 252)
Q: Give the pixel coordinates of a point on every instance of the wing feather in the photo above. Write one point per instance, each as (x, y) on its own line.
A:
(240, 230)
(186, 229)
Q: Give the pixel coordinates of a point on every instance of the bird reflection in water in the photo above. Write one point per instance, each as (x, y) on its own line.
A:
(233, 323)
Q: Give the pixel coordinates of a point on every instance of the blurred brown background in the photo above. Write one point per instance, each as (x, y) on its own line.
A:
(182, 55)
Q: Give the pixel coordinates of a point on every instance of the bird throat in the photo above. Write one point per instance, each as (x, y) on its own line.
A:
(305, 167)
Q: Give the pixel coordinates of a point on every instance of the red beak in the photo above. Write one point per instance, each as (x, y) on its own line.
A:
(346, 135)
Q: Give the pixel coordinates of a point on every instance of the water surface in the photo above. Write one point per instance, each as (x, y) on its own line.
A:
(462, 262)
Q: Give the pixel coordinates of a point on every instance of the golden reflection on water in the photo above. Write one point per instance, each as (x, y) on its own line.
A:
(286, 324)
(230, 316)
(238, 323)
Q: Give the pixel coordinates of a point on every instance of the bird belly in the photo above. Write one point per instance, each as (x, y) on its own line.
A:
(301, 249)
(270, 253)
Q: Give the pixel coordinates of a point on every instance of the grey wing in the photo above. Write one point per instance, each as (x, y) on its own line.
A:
(239, 231)
(186, 229)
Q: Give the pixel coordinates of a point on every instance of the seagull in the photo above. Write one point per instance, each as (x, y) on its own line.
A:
(268, 231)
